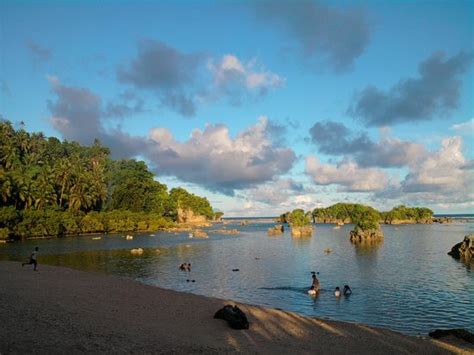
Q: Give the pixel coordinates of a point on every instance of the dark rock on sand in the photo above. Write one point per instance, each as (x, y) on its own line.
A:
(458, 333)
(234, 316)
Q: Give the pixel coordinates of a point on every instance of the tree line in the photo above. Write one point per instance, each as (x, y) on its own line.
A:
(50, 187)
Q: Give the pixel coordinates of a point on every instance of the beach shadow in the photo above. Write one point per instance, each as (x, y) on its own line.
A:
(286, 331)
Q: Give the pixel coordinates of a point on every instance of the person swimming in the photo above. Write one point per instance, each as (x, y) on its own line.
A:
(347, 290)
(337, 292)
(312, 291)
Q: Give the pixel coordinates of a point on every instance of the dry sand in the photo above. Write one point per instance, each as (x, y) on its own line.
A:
(60, 310)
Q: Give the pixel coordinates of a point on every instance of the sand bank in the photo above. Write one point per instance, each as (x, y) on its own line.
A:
(60, 310)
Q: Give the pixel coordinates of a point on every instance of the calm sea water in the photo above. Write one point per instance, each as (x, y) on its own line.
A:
(407, 283)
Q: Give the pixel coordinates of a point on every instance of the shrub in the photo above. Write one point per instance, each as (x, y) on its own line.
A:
(297, 218)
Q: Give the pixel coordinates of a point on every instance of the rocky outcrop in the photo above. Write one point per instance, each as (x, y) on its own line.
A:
(276, 230)
(363, 236)
(442, 220)
(409, 221)
(304, 231)
(464, 250)
(187, 216)
(225, 231)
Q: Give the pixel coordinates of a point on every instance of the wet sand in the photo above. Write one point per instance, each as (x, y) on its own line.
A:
(60, 310)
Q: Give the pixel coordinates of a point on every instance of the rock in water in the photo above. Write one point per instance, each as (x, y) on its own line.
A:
(198, 233)
(138, 251)
(464, 250)
(304, 231)
(359, 235)
(278, 229)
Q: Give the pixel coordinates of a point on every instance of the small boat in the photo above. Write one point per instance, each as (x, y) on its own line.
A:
(336, 227)
(328, 250)
(97, 238)
(191, 235)
(129, 237)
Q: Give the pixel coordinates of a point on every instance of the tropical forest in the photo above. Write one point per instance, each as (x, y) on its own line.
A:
(55, 188)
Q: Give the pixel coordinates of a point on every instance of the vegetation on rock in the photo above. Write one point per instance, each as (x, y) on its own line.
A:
(354, 213)
(300, 223)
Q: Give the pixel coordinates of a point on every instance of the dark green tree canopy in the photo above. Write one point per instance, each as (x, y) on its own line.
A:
(49, 176)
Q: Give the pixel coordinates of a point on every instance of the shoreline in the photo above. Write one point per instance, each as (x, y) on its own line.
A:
(186, 227)
(58, 310)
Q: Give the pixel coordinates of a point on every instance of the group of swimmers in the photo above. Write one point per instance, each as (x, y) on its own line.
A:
(346, 291)
(315, 285)
(185, 267)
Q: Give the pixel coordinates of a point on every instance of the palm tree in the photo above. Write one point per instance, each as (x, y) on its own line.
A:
(44, 194)
(25, 189)
(5, 186)
(63, 177)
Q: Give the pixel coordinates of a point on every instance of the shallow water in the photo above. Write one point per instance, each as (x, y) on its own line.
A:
(406, 283)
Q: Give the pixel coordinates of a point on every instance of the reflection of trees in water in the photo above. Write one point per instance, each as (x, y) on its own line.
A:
(366, 255)
(120, 262)
(302, 240)
(368, 247)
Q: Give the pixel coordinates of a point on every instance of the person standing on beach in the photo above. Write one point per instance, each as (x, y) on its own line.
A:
(33, 259)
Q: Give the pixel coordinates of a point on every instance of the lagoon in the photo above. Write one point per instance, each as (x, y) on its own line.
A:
(407, 283)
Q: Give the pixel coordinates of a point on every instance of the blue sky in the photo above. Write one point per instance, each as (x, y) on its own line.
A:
(260, 106)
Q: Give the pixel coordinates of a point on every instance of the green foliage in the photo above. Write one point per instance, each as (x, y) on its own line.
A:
(298, 218)
(180, 198)
(218, 215)
(341, 212)
(54, 188)
(366, 218)
(284, 218)
(4, 233)
(417, 214)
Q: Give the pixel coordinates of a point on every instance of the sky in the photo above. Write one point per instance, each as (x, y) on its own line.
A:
(261, 106)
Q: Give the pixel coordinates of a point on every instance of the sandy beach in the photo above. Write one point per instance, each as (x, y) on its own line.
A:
(60, 310)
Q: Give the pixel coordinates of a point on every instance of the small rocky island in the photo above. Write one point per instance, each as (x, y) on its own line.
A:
(343, 213)
(367, 228)
(464, 250)
(300, 223)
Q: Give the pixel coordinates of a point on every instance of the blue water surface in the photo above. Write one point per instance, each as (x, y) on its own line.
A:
(406, 283)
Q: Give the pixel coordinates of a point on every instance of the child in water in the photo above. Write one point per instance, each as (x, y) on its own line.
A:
(337, 292)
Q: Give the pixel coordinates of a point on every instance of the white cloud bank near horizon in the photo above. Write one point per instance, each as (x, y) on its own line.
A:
(253, 163)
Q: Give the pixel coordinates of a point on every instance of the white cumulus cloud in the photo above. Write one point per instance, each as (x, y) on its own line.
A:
(346, 174)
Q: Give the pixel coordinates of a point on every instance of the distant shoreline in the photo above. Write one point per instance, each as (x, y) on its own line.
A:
(453, 216)
(60, 309)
